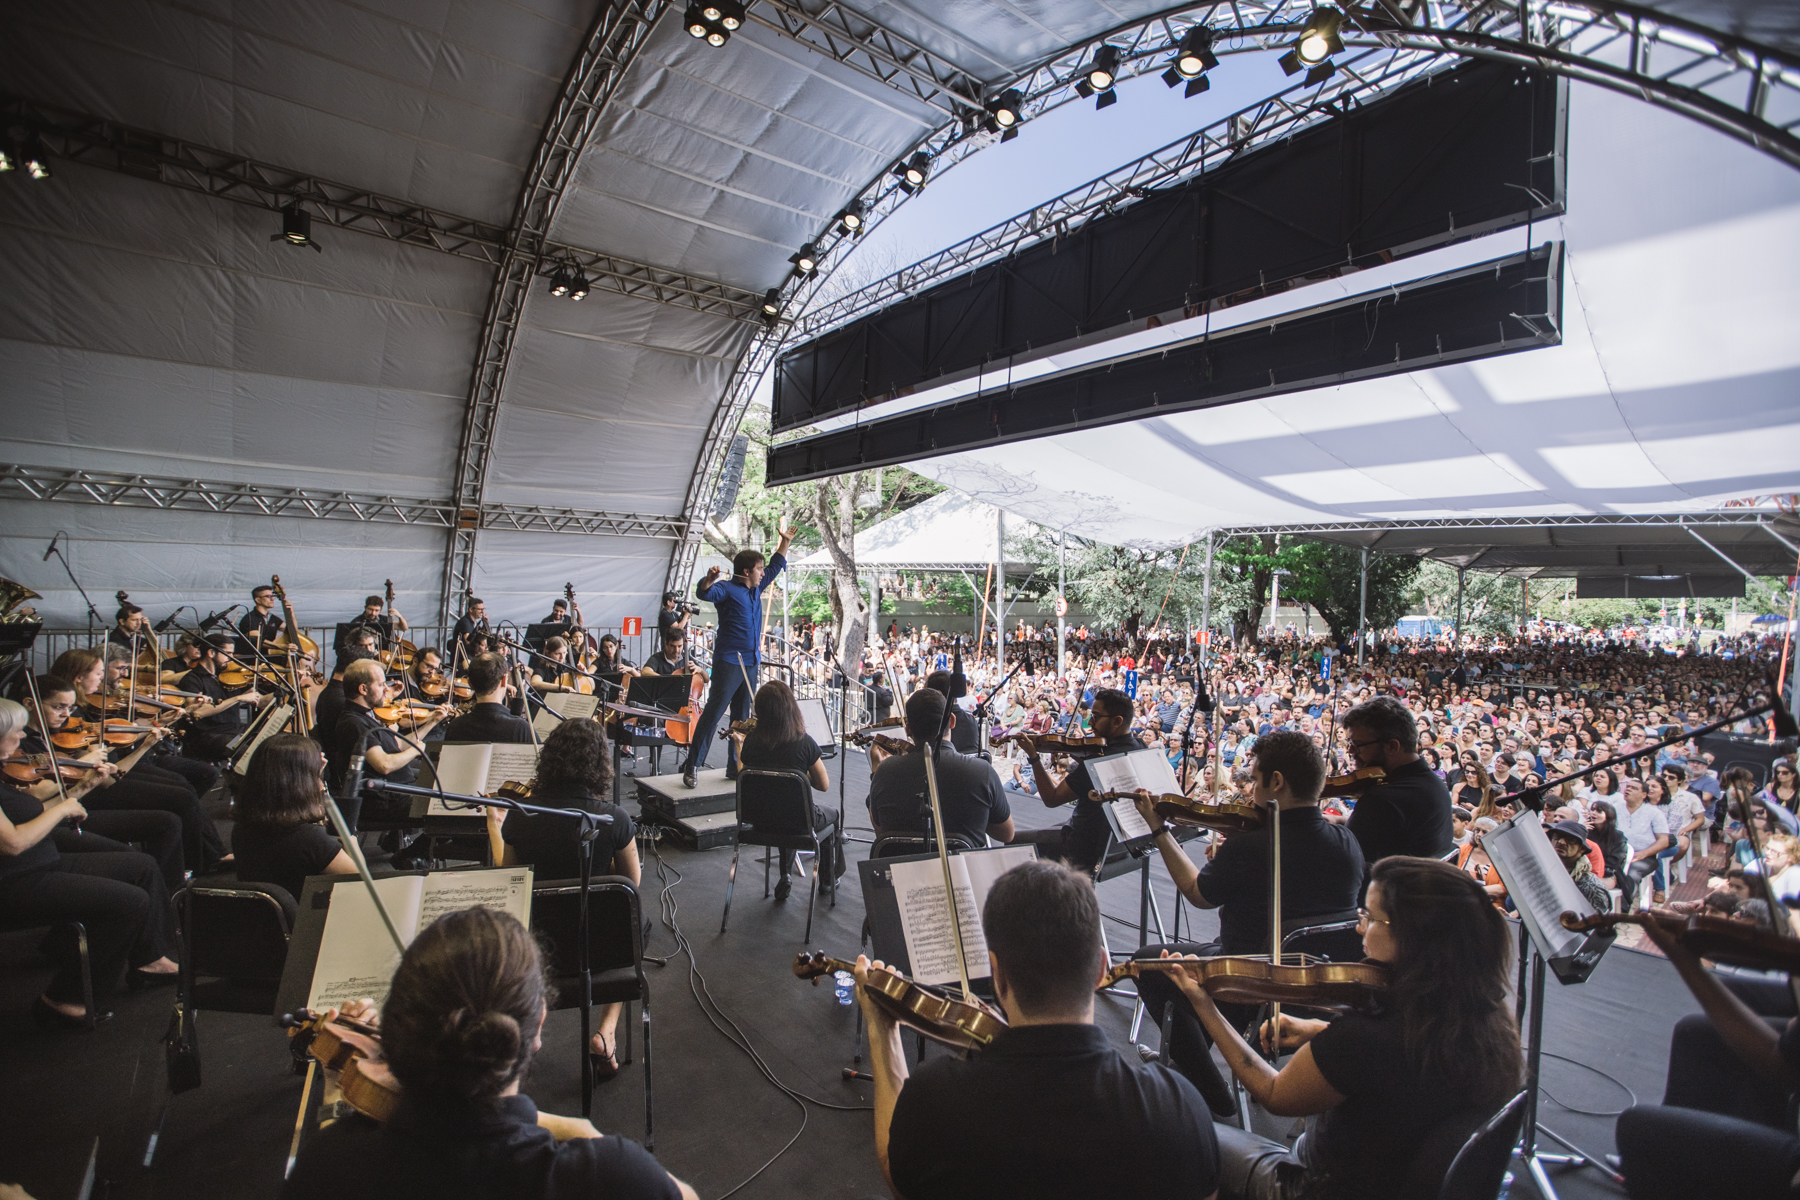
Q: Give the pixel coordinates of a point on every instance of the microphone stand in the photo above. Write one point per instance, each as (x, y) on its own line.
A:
(959, 685)
(92, 613)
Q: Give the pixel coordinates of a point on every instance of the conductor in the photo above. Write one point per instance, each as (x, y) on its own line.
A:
(737, 652)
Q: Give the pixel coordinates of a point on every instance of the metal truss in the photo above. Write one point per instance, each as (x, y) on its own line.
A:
(172, 493)
(618, 33)
(871, 50)
(107, 145)
(1676, 521)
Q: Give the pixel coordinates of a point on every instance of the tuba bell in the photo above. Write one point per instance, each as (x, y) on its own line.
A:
(11, 596)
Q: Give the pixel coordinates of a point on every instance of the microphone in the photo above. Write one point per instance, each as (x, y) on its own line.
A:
(213, 619)
(162, 626)
(52, 549)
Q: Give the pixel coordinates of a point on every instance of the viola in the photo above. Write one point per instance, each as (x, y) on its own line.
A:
(861, 736)
(1352, 785)
(1059, 743)
(746, 726)
(34, 768)
(353, 1050)
(1183, 810)
(964, 1024)
(1253, 979)
(1722, 939)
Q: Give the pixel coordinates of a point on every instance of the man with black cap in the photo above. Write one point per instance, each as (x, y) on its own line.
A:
(1571, 844)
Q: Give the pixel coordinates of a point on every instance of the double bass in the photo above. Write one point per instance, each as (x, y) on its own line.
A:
(398, 655)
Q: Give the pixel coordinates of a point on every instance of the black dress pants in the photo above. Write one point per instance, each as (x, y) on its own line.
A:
(1670, 1153)
(1190, 1047)
(120, 899)
(151, 788)
(828, 862)
(200, 776)
(158, 834)
(1705, 1074)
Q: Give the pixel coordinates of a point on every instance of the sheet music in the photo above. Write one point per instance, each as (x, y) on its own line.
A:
(478, 769)
(514, 762)
(1147, 769)
(1538, 883)
(566, 705)
(357, 958)
(925, 918)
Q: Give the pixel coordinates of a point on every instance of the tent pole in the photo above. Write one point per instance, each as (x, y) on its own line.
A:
(1362, 609)
(1062, 559)
(999, 592)
(1275, 594)
(1206, 605)
(1457, 624)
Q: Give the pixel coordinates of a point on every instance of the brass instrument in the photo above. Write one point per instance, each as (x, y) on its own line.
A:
(11, 596)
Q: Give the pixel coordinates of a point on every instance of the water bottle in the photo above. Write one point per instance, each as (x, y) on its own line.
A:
(846, 986)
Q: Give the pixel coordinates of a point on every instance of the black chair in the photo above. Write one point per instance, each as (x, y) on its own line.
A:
(899, 845)
(54, 929)
(774, 810)
(615, 959)
(1464, 1156)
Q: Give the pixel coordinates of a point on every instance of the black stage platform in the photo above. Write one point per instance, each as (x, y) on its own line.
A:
(718, 1120)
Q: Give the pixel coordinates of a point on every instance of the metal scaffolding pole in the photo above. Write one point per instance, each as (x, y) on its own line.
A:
(1206, 608)
(999, 593)
(1062, 624)
(1459, 596)
(1362, 609)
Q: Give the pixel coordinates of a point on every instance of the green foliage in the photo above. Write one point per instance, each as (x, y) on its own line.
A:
(1119, 586)
(1329, 577)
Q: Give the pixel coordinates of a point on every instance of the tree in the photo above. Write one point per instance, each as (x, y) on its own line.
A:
(1329, 577)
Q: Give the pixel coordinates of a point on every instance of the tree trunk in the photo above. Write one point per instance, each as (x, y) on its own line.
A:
(849, 607)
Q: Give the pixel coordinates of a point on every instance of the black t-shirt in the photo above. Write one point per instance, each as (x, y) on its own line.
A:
(761, 754)
(1366, 1145)
(471, 1154)
(1050, 1111)
(351, 727)
(20, 808)
(205, 683)
(664, 665)
(549, 844)
(665, 620)
(488, 722)
(1408, 814)
(328, 707)
(968, 791)
(1321, 872)
(282, 854)
(263, 627)
(1084, 837)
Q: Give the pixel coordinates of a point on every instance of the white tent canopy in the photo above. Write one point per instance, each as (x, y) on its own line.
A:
(1676, 388)
(949, 532)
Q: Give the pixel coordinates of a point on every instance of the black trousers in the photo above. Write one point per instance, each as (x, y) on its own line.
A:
(1684, 1154)
(118, 896)
(157, 834)
(1190, 1047)
(152, 788)
(1705, 1074)
(200, 776)
(729, 688)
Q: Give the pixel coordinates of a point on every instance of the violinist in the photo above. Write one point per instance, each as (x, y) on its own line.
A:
(115, 687)
(385, 754)
(185, 658)
(973, 803)
(780, 743)
(489, 720)
(737, 654)
(281, 835)
(1082, 842)
(219, 717)
(262, 624)
(1321, 873)
(424, 680)
(574, 770)
(1723, 1127)
(1443, 1044)
(1049, 1107)
(471, 628)
(1409, 811)
(117, 894)
(136, 787)
(459, 1028)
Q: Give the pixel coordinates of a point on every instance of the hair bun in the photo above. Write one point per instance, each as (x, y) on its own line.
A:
(483, 1042)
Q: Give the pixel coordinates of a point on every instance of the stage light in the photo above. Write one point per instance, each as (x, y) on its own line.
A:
(1006, 108)
(560, 282)
(716, 37)
(1105, 69)
(851, 219)
(771, 306)
(1318, 41)
(694, 22)
(1195, 57)
(578, 285)
(35, 158)
(296, 224)
(913, 171)
(806, 260)
(730, 13)
(9, 156)
(712, 21)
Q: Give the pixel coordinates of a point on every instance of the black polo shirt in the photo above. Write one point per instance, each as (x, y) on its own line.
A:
(265, 628)
(1050, 1111)
(471, 1154)
(488, 722)
(1084, 837)
(1408, 814)
(968, 791)
(1321, 872)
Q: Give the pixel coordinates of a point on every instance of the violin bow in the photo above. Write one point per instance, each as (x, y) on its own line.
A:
(959, 686)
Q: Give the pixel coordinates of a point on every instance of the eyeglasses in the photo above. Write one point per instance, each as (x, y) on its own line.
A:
(1365, 917)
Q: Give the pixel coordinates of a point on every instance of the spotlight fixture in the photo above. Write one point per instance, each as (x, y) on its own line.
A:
(559, 282)
(9, 155)
(1193, 58)
(1105, 68)
(806, 260)
(1313, 49)
(578, 285)
(913, 171)
(712, 21)
(729, 13)
(296, 223)
(694, 22)
(1007, 108)
(35, 158)
(771, 306)
(851, 219)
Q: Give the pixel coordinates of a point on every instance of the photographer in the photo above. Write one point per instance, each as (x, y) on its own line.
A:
(674, 615)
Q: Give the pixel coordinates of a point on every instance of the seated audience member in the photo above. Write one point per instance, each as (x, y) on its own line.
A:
(282, 833)
(459, 1028)
(998, 1124)
(1570, 841)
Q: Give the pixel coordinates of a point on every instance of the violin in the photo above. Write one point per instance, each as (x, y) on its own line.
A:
(513, 790)
(1208, 814)
(353, 1050)
(1722, 939)
(74, 735)
(859, 736)
(403, 710)
(34, 768)
(746, 726)
(1352, 785)
(1060, 743)
(1253, 979)
(963, 1024)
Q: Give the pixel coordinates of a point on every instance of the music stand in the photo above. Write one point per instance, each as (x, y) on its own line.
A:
(537, 635)
(1541, 890)
(667, 694)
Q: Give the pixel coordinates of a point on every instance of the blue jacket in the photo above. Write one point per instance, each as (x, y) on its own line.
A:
(740, 613)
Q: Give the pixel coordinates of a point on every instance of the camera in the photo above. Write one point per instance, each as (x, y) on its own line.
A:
(686, 606)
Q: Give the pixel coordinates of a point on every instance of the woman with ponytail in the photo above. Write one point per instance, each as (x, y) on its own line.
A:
(459, 1028)
(1443, 1043)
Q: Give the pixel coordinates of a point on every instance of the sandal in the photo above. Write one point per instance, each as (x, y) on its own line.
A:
(605, 1066)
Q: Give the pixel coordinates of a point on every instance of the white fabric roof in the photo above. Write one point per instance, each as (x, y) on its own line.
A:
(1677, 386)
(947, 532)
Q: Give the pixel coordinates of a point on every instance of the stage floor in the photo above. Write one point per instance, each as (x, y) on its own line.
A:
(718, 1119)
